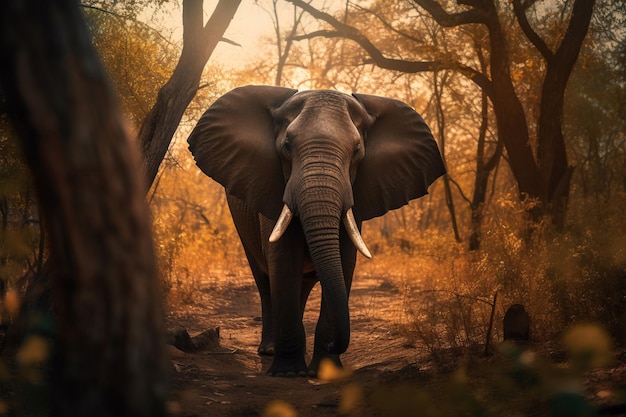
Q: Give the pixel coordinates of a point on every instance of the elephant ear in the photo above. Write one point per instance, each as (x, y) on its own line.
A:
(401, 158)
(233, 143)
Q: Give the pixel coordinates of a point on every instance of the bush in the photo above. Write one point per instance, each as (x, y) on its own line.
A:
(561, 278)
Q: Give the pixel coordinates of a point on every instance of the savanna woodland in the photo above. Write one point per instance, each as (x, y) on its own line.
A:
(125, 290)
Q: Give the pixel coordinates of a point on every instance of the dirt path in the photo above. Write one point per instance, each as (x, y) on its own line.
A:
(230, 380)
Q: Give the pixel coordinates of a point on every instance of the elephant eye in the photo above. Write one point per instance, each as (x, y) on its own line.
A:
(357, 150)
(287, 148)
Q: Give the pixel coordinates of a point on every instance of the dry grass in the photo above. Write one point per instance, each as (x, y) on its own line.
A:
(561, 278)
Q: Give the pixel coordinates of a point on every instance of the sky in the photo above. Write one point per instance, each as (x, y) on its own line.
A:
(249, 26)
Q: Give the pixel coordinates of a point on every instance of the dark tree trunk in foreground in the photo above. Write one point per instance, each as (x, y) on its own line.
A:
(109, 355)
(198, 44)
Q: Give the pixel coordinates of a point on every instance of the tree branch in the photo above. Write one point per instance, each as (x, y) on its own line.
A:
(230, 42)
(456, 294)
(389, 25)
(173, 98)
(460, 190)
(576, 32)
(492, 162)
(378, 58)
(192, 22)
(532, 36)
(446, 19)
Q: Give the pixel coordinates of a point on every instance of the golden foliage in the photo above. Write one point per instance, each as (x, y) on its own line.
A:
(195, 238)
(138, 60)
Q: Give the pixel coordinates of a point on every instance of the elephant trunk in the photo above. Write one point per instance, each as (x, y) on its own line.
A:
(320, 212)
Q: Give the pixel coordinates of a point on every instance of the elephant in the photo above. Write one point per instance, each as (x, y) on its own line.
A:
(330, 161)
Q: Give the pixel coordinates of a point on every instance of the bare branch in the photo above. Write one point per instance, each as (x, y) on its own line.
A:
(456, 294)
(493, 160)
(532, 36)
(230, 42)
(388, 25)
(446, 19)
(576, 32)
(459, 189)
(350, 32)
(377, 56)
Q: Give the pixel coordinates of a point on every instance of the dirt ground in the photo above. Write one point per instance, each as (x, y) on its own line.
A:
(230, 379)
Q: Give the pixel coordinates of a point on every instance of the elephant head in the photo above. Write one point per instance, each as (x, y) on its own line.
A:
(322, 156)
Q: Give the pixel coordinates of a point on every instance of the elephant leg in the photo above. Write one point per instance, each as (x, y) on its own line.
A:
(289, 336)
(308, 283)
(248, 225)
(323, 335)
(285, 262)
(324, 330)
(266, 347)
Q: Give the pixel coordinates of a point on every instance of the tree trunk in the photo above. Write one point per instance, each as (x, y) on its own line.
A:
(547, 178)
(158, 129)
(109, 354)
(551, 149)
(441, 128)
(510, 116)
(4, 225)
(483, 170)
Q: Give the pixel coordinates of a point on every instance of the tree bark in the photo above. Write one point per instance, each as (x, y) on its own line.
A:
(109, 354)
(441, 129)
(551, 149)
(484, 167)
(199, 42)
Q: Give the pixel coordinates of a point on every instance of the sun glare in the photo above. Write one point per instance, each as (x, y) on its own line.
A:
(244, 36)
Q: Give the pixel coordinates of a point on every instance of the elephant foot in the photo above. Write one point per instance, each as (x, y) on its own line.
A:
(317, 359)
(266, 350)
(288, 367)
(266, 347)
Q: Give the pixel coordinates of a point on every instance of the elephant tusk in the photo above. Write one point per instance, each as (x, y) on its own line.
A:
(281, 224)
(353, 231)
